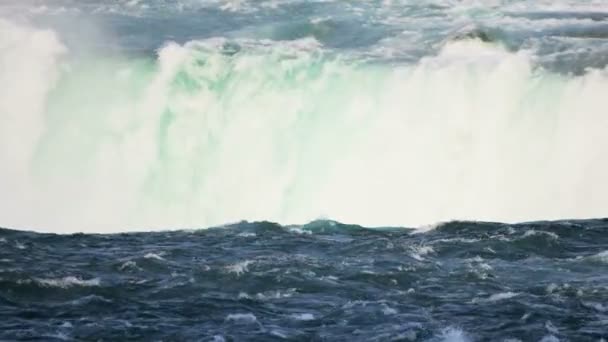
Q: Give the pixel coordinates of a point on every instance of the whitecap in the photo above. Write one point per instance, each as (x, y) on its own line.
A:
(387, 310)
(533, 232)
(484, 266)
(475, 259)
(239, 268)
(457, 240)
(496, 297)
(299, 230)
(67, 282)
(129, 265)
(453, 335)
(278, 294)
(242, 318)
(352, 303)
(601, 257)
(66, 325)
(303, 317)
(479, 267)
(153, 256)
(502, 295)
(418, 252)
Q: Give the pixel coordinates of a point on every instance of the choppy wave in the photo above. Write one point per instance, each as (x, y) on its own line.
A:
(337, 282)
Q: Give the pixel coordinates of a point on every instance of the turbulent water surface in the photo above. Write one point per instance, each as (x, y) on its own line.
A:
(324, 281)
(156, 115)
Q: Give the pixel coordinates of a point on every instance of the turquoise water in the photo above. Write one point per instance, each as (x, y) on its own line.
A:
(156, 114)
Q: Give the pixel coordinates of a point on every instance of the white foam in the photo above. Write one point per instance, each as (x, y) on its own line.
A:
(129, 264)
(496, 297)
(599, 307)
(30, 69)
(276, 294)
(66, 325)
(533, 232)
(300, 230)
(67, 282)
(500, 296)
(242, 318)
(303, 317)
(601, 257)
(454, 335)
(418, 252)
(153, 256)
(458, 240)
(240, 267)
(218, 338)
(387, 310)
(456, 136)
(549, 338)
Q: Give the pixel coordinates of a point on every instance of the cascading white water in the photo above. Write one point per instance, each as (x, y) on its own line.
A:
(284, 132)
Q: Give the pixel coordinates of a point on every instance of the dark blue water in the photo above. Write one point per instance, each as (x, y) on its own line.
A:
(324, 281)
